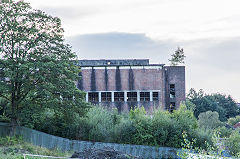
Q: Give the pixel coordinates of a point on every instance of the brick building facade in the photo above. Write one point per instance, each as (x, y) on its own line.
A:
(125, 84)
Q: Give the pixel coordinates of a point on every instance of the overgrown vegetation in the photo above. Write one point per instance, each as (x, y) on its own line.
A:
(13, 148)
(136, 127)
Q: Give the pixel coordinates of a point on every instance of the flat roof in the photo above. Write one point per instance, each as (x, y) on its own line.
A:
(115, 63)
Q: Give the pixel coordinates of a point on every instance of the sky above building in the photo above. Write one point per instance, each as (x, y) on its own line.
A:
(153, 29)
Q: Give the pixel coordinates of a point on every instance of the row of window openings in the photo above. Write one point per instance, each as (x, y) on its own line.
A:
(119, 96)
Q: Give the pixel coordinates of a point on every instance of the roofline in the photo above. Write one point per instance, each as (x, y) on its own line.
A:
(121, 65)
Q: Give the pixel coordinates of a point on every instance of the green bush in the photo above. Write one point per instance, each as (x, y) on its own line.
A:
(125, 131)
(203, 138)
(142, 123)
(233, 143)
(234, 120)
(209, 120)
(101, 123)
(224, 132)
(10, 140)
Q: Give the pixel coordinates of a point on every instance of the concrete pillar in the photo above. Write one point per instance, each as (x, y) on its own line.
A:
(87, 97)
(138, 96)
(112, 96)
(151, 96)
(99, 97)
(125, 96)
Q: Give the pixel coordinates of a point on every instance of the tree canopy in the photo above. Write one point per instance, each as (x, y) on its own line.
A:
(178, 57)
(36, 66)
(224, 105)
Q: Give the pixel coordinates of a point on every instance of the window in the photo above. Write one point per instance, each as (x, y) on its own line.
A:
(144, 96)
(172, 106)
(172, 90)
(93, 97)
(106, 96)
(155, 96)
(118, 96)
(131, 96)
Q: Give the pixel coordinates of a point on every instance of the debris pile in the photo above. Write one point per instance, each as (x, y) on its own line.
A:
(104, 153)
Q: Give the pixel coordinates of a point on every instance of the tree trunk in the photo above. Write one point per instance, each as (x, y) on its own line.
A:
(13, 125)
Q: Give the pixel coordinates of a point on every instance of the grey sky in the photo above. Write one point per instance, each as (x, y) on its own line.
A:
(207, 30)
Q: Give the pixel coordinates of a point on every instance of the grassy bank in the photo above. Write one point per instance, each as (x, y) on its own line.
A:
(15, 147)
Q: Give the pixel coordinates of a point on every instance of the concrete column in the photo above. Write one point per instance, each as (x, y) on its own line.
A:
(151, 96)
(87, 97)
(99, 97)
(125, 96)
(138, 96)
(112, 96)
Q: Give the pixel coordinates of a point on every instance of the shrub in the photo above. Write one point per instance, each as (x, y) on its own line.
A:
(161, 127)
(125, 131)
(101, 123)
(233, 143)
(209, 120)
(234, 120)
(224, 132)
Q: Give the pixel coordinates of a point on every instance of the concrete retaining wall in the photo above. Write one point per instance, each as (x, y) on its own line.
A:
(49, 141)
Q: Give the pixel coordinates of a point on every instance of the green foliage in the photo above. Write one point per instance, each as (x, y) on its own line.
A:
(234, 120)
(101, 124)
(36, 64)
(211, 150)
(10, 140)
(190, 105)
(136, 127)
(209, 120)
(13, 148)
(224, 105)
(233, 144)
(142, 124)
(224, 132)
(177, 57)
(124, 132)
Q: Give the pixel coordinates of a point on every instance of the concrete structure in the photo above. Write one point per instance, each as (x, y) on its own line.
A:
(125, 84)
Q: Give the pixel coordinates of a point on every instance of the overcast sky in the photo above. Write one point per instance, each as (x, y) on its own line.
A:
(208, 30)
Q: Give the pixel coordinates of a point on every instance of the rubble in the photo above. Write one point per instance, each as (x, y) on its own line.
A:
(104, 153)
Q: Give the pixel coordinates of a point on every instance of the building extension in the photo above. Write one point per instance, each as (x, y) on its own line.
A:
(125, 84)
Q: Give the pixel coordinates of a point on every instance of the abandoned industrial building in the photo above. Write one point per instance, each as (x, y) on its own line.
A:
(124, 84)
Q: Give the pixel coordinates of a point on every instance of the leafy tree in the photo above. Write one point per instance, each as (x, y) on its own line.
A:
(209, 120)
(178, 57)
(224, 105)
(36, 65)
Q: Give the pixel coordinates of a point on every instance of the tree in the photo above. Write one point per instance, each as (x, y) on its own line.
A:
(209, 120)
(178, 57)
(224, 105)
(36, 65)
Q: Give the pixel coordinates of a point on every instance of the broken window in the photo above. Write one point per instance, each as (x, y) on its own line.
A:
(172, 106)
(172, 91)
(106, 96)
(93, 97)
(118, 96)
(155, 96)
(131, 96)
(144, 96)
